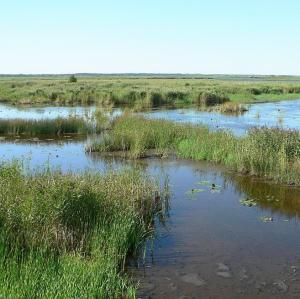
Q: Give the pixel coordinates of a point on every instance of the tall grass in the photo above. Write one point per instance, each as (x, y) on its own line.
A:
(137, 135)
(68, 236)
(269, 152)
(146, 91)
(58, 126)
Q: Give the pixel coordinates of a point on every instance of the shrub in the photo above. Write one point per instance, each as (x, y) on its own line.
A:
(72, 79)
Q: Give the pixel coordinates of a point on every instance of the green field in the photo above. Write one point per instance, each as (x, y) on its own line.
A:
(144, 91)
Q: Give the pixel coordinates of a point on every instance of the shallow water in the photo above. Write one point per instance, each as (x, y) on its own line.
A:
(214, 247)
(284, 114)
(49, 112)
(211, 245)
(68, 155)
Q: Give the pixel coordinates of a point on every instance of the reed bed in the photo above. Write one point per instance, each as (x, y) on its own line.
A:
(272, 153)
(58, 126)
(147, 91)
(68, 236)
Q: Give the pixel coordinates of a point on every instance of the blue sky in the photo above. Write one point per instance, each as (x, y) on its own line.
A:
(191, 36)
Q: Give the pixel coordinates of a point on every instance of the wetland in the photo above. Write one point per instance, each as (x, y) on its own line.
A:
(187, 213)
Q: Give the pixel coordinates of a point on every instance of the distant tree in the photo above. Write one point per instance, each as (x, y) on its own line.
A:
(72, 79)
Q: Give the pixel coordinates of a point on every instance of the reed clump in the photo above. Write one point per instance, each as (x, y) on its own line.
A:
(58, 126)
(137, 135)
(272, 153)
(211, 98)
(69, 235)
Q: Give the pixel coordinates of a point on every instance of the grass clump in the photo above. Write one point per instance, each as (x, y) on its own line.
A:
(68, 236)
(268, 152)
(137, 135)
(209, 98)
(58, 126)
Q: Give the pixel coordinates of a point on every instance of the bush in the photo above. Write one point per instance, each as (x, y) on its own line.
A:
(72, 79)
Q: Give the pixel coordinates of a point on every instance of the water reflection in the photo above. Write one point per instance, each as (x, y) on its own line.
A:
(277, 199)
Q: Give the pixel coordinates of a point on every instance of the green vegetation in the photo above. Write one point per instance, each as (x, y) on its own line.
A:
(72, 79)
(68, 236)
(58, 126)
(142, 91)
(268, 152)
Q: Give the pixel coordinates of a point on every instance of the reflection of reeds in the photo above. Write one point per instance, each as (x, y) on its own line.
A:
(232, 108)
(263, 151)
(58, 126)
(280, 120)
(72, 233)
(268, 196)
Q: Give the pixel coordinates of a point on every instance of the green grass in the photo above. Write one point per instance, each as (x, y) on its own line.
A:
(58, 126)
(68, 236)
(146, 91)
(264, 97)
(272, 153)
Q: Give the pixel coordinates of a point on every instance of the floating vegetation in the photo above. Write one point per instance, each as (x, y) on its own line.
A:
(204, 183)
(194, 191)
(266, 219)
(248, 202)
(215, 188)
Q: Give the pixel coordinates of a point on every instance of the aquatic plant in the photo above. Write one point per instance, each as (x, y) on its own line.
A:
(269, 152)
(69, 235)
(137, 135)
(58, 126)
(248, 202)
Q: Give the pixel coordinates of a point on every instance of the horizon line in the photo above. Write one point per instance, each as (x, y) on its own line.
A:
(148, 73)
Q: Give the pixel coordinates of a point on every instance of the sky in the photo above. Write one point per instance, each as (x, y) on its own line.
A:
(150, 36)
